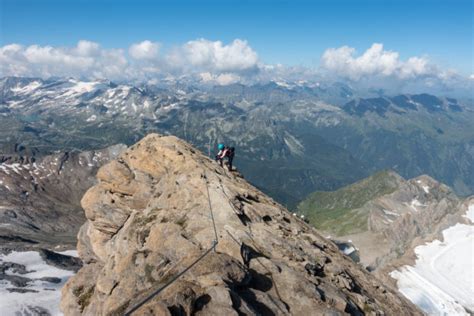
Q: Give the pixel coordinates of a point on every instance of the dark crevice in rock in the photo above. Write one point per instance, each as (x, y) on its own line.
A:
(237, 305)
(244, 219)
(321, 294)
(118, 230)
(248, 253)
(352, 309)
(200, 302)
(143, 235)
(315, 269)
(259, 281)
(321, 247)
(250, 298)
(177, 310)
(247, 197)
(63, 160)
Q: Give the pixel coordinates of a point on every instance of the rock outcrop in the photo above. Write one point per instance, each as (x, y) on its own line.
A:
(149, 217)
(417, 212)
(385, 216)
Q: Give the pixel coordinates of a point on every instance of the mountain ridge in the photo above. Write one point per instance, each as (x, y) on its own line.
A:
(148, 219)
(388, 211)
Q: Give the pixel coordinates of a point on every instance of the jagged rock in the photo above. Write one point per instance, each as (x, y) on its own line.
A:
(13, 267)
(315, 269)
(149, 218)
(20, 290)
(51, 279)
(60, 261)
(15, 280)
(37, 311)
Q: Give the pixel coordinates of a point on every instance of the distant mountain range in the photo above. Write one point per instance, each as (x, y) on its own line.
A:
(40, 196)
(291, 139)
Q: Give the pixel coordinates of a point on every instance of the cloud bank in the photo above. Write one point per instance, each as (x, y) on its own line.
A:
(215, 62)
(375, 61)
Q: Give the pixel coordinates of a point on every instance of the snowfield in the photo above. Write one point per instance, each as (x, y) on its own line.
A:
(42, 296)
(442, 280)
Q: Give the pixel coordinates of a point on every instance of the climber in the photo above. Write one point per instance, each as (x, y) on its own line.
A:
(225, 152)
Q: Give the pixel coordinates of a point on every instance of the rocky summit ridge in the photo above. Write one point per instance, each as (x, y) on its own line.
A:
(149, 217)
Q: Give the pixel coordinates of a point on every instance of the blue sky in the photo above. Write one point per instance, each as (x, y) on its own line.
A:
(288, 32)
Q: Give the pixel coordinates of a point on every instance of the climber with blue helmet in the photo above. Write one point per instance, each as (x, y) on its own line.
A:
(225, 152)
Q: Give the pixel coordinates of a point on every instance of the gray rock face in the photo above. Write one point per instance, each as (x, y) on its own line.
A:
(415, 213)
(60, 261)
(148, 218)
(40, 197)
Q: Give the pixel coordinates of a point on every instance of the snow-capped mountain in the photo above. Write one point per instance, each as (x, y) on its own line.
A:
(40, 196)
(300, 128)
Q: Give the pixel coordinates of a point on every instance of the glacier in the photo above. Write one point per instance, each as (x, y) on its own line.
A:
(43, 296)
(442, 280)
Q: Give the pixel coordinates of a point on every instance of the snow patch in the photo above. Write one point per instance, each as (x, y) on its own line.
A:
(348, 250)
(415, 203)
(470, 213)
(92, 118)
(72, 253)
(80, 87)
(48, 294)
(293, 144)
(282, 84)
(169, 106)
(387, 212)
(442, 280)
(28, 88)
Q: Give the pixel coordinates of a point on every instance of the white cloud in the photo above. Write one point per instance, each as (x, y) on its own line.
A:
(87, 48)
(375, 61)
(144, 50)
(226, 63)
(215, 62)
(86, 59)
(221, 79)
(236, 56)
(215, 57)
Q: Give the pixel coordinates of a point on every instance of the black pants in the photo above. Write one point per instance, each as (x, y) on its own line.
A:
(230, 159)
